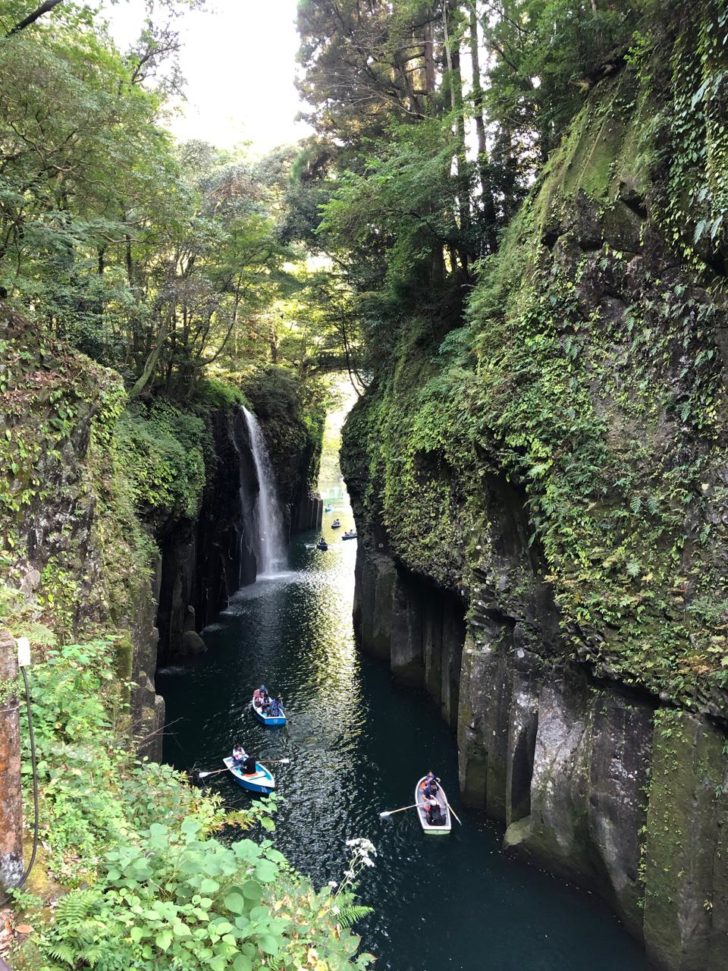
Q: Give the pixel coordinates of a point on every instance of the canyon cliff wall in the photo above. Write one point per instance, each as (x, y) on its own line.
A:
(541, 497)
(77, 561)
(135, 519)
(206, 557)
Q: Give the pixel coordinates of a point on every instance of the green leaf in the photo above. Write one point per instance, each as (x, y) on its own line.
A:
(266, 871)
(163, 940)
(252, 890)
(242, 963)
(235, 903)
(269, 944)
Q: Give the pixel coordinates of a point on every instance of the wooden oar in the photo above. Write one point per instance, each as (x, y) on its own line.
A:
(205, 775)
(391, 812)
(453, 812)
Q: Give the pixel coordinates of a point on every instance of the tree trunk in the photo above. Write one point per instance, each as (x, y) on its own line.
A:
(151, 363)
(486, 189)
(11, 805)
(429, 54)
(455, 84)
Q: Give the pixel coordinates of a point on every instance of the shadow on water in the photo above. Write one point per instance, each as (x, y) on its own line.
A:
(358, 742)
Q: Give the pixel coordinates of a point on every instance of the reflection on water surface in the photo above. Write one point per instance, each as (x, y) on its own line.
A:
(358, 742)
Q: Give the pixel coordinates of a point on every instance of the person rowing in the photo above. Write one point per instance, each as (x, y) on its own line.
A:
(431, 786)
(432, 809)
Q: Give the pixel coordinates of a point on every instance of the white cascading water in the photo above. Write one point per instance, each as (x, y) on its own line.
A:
(271, 547)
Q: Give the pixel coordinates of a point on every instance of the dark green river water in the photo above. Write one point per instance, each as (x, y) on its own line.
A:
(358, 743)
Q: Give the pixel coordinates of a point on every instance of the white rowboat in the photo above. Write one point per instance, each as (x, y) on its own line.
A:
(432, 830)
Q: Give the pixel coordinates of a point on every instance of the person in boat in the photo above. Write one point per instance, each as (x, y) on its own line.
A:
(431, 786)
(275, 708)
(249, 765)
(239, 754)
(261, 697)
(432, 809)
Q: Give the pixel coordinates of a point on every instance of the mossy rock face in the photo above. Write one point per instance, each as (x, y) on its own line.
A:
(558, 462)
(80, 559)
(686, 910)
(588, 383)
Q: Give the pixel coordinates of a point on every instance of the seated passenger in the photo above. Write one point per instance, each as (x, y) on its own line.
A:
(249, 765)
(239, 754)
(275, 708)
(431, 807)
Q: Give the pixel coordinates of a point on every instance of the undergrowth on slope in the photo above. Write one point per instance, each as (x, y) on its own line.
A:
(150, 884)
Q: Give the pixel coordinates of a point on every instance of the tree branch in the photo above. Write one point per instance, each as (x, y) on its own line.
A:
(32, 17)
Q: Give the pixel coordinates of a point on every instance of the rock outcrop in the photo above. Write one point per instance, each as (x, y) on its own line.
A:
(541, 498)
(76, 551)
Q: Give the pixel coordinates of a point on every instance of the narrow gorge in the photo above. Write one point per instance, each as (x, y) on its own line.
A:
(496, 237)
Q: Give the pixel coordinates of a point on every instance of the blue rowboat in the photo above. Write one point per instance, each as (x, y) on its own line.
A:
(270, 721)
(260, 781)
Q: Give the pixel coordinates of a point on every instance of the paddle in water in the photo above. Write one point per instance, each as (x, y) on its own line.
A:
(454, 813)
(391, 812)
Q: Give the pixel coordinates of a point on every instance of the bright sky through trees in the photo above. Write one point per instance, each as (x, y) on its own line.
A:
(239, 60)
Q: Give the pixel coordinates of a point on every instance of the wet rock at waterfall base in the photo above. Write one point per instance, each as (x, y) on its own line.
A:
(192, 644)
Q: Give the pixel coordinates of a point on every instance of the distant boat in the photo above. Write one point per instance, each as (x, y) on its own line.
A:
(328, 508)
(430, 828)
(260, 781)
(349, 534)
(322, 545)
(336, 524)
(270, 721)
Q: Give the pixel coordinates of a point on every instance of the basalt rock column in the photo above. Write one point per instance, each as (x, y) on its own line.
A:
(11, 818)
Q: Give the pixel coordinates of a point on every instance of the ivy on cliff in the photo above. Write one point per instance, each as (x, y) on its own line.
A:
(588, 377)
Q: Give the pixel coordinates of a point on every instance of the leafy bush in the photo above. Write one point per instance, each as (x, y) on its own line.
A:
(154, 894)
(180, 900)
(213, 393)
(162, 451)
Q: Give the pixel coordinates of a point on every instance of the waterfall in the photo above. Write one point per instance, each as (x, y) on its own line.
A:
(270, 546)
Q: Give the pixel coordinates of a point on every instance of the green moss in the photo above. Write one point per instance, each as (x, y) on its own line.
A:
(688, 768)
(124, 649)
(162, 451)
(593, 390)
